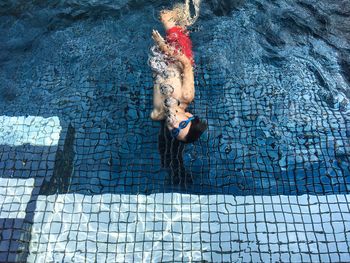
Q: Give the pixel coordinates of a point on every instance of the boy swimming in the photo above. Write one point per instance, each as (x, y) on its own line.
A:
(172, 64)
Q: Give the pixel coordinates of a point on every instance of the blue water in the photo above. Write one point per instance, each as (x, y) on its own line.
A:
(272, 81)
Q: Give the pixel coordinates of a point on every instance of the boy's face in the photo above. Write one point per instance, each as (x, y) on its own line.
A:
(179, 118)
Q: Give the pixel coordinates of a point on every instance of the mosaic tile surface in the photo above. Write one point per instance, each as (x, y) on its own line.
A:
(14, 197)
(269, 180)
(32, 130)
(278, 110)
(28, 150)
(176, 227)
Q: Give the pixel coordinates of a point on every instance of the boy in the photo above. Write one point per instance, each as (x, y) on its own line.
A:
(172, 63)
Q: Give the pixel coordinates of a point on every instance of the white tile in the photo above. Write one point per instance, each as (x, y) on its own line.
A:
(41, 132)
(183, 227)
(14, 197)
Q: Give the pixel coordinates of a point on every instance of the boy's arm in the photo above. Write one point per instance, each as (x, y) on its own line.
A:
(187, 82)
(167, 49)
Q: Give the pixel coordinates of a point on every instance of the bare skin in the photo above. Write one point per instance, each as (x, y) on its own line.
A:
(181, 79)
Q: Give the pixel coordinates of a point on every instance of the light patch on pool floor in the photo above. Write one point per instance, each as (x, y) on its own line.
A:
(176, 227)
(14, 197)
(34, 130)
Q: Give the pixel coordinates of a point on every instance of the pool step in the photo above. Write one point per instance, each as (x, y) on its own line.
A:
(28, 148)
(174, 227)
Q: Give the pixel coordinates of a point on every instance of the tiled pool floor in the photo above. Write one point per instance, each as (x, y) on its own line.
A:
(186, 228)
(163, 227)
(85, 175)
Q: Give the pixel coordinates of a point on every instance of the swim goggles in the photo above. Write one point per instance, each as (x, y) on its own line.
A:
(175, 132)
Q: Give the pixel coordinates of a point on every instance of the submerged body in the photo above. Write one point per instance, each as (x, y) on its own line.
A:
(172, 65)
(170, 97)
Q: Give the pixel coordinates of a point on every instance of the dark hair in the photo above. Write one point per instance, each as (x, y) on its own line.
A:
(196, 130)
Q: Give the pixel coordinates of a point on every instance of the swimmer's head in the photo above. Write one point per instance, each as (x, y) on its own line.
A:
(197, 128)
(189, 128)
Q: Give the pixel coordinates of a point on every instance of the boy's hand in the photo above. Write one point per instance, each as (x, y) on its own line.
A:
(157, 37)
(159, 40)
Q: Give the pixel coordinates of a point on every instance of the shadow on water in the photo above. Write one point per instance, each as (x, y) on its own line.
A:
(171, 153)
(63, 169)
(171, 160)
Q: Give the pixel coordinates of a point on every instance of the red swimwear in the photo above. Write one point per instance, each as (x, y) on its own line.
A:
(180, 39)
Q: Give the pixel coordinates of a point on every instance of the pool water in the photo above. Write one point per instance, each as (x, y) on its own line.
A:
(87, 176)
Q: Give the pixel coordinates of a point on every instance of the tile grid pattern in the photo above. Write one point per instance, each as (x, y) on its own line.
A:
(14, 196)
(274, 129)
(181, 227)
(28, 146)
(34, 130)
